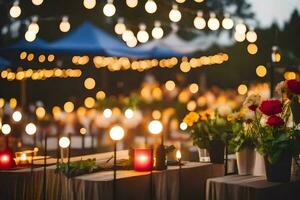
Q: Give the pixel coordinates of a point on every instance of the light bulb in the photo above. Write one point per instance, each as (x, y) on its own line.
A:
(157, 31)
(120, 27)
(132, 3)
(127, 35)
(150, 6)
(178, 154)
(64, 142)
(142, 35)
(17, 116)
(109, 9)
(15, 10)
(64, 25)
(155, 127)
(30, 129)
(89, 4)
(129, 114)
(89, 83)
(183, 126)
(132, 42)
(37, 2)
(30, 36)
(107, 113)
(69, 107)
(6, 129)
(40, 112)
(213, 23)
(116, 133)
(241, 28)
(239, 37)
(180, 1)
(251, 36)
(227, 23)
(34, 27)
(199, 21)
(175, 14)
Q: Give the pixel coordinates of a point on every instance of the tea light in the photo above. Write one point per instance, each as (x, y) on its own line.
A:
(6, 159)
(24, 158)
(143, 160)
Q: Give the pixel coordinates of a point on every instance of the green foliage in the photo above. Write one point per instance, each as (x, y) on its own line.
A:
(241, 137)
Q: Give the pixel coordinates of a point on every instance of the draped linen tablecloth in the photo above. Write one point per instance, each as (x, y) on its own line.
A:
(237, 187)
(23, 184)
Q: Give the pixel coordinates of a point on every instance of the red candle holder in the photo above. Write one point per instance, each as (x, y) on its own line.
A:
(6, 159)
(143, 160)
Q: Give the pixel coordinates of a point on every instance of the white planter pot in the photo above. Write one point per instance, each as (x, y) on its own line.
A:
(203, 155)
(245, 161)
(259, 169)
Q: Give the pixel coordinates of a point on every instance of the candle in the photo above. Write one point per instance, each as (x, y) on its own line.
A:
(24, 158)
(6, 159)
(143, 160)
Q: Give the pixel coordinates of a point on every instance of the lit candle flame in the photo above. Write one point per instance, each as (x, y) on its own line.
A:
(23, 157)
(178, 155)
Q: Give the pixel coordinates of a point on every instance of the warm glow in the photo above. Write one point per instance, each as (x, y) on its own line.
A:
(252, 49)
(107, 113)
(150, 6)
(199, 21)
(37, 2)
(213, 23)
(142, 35)
(40, 112)
(175, 14)
(120, 27)
(242, 89)
(241, 28)
(64, 142)
(183, 126)
(185, 67)
(251, 36)
(89, 4)
(15, 10)
(4, 158)
(157, 31)
(17, 116)
(34, 27)
(13, 103)
(194, 88)
(30, 36)
(116, 133)
(128, 35)
(156, 114)
(178, 155)
(109, 9)
(261, 71)
(191, 106)
(290, 75)
(83, 131)
(100, 95)
(227, 23)
(170, 85)
(30, 129)
(23, 157)
(129, 113)
(89, 83)
(239, 37)
(6, 129)
(64, 25)
(132, 42)
(68, 106)
(143, 160)
(132, 3)
(89, 102)
(155, 127)
(2, 102)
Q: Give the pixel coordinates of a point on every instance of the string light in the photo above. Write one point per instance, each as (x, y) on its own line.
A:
(241, 28)
(33, 26)
(30, 36)
(89, 4)
(109, 9)
(40, 112)
(180, 1)
(17, 116)
(199, 21)
(89, 102)
(239, 37)
(100, 95)
(116, 133)
(175, 14)
(252, 49)
(170, 85)
(30, 129)
(120, 27)
(150, 6)
(127, 35)
(194, 88)
(69, 107)
(261, 71)
(129, 114)
(227, 23)
(37, 2)
(251, 36)
(64, 142)
(64, 25)
(242, 89)
(157, 31)
(132, 3)
(6, 129)
(107, 113)
(142, 35)
(183, 126)
(213, 23)
(198, 1)
(89, 83)
(15, 10)
(155, 127)
(132, 42)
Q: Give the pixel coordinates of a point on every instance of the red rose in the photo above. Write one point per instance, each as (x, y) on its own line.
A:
(293, 86)
(275, 121)
(271, 107)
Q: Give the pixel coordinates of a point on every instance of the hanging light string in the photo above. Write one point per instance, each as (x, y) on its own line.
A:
(157, 32)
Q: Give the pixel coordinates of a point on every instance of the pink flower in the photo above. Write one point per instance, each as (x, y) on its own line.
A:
(293, 86)
(271, 107)
(275, 121)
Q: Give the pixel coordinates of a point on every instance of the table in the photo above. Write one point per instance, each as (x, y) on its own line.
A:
(237, 187)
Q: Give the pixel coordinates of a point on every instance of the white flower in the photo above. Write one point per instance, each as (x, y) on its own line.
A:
(280, 87)
(263, 121)
(253, 99)
(224, 110)
(249, 116)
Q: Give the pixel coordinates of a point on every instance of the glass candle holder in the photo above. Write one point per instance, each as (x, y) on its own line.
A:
(24, 158)
(143, 159)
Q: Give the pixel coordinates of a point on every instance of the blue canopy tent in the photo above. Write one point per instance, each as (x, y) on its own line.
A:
(89, 39)
(37, 45)
(3, 63)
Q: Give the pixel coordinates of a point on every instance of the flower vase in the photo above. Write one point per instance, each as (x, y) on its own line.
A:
(246, 161)
(216, 150)
(279, 171)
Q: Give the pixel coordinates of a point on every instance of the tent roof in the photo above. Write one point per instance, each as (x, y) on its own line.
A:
(3, 63)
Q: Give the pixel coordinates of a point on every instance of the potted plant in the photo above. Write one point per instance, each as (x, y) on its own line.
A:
(243, 139)
(210, 130)
(277, 138)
